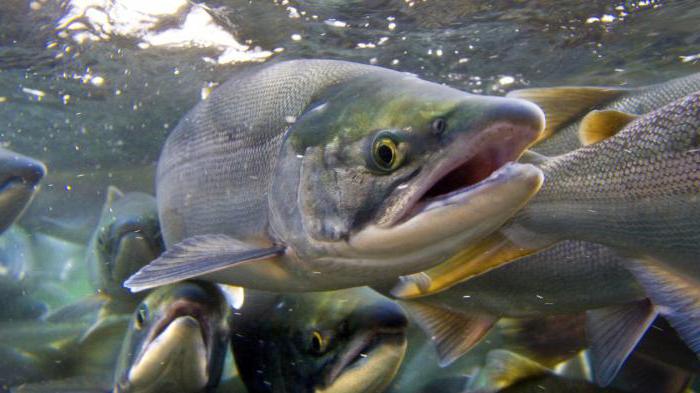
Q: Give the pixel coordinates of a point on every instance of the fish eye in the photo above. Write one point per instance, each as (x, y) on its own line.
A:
(318, 343)
(141, 316)
(385, 153)
(439, 125)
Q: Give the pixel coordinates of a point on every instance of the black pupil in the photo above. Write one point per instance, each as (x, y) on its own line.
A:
(385, 154)
(141, 316)
(316, 344)
(439, 125)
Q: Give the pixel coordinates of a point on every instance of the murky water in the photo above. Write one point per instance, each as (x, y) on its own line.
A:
(92, 89)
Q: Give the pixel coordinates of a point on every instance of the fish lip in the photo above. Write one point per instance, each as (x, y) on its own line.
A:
(182, 308)
(365, 344)
(138, 373)
(507, 139)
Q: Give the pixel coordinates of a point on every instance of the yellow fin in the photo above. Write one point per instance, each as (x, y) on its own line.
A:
(566, 104)
(548, 340)
(504, 368)
(452, 333)
(490, 253)
(599, 125)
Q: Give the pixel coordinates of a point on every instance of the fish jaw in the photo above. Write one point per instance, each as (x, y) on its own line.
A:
(467, 215)
(369, 364)
(176, 358)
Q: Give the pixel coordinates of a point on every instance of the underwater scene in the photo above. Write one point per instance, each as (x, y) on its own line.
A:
(339, 196)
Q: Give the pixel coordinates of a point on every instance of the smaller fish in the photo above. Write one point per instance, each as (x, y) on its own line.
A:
(176, 342)
(126, 239)
(19, 179)
(350, 340)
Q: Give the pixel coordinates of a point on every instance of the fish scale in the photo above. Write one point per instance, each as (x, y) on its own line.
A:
(612, 192)
(242, 121)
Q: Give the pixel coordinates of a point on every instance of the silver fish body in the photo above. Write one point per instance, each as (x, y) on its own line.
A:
(638, 191)
(313, 174)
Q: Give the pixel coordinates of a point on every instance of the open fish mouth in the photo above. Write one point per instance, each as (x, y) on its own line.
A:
(493, 149)
(180, 341)
(369, 362)
(467, 195)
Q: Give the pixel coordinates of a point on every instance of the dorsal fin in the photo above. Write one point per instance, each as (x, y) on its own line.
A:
(453, 334)
(566, 104)
(600, 125)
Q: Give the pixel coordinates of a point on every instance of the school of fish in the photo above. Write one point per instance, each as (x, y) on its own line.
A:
(323, 226)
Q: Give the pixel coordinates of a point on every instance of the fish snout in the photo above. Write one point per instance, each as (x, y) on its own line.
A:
(385, 316)
(520, 113)
(18, 170)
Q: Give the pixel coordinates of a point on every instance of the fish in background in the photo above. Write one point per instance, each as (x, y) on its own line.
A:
(85, 336)
(635, 191)
(19, 180)
(177, 341)
(377, 158)
(566, 106)
(350, 340)
(126, 238)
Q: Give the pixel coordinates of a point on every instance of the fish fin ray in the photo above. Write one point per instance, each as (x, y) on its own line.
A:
(492, 252)
(613, 333)
(563, 105)
(600, 125)
(453, 334)
(196, 256)
(677, 296)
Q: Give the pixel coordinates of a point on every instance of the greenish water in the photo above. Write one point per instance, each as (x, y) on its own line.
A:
(92, 88)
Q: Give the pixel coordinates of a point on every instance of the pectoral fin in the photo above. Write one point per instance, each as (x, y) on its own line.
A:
(613, 333)
(504, 368)
(87, 307)
(564, 105)
(452, 333)
(677, 296)
(492, 252)
(197, 256)
(548, 340)
(600, 125)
